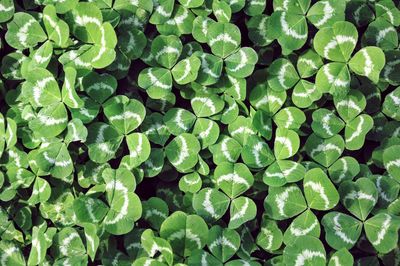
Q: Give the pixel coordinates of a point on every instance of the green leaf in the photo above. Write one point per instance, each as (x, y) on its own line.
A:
(391, 160)
(57, 29)
(68, 92)
(324, 151)
(305, 249)
(125, 115)
(319, 191)
(305, 94)
(342, 256)
(153, 245)
(99, 87)
(50, 121)
(368, 62)
(309, 63)
(359, 197)
(341, 230)
(68, 243)
(223, 38)
(382, 231)
(156, 81)
(356, 130)
(256, 152)
(39, 247)
(7, 10)
(242, 210)
(182, 151)
(210, 204)
(223, 242)
(270, 236)
(125, 206)
(233, 179)
(103, 141)
(56, 160)
(284, 202)
(185, 233)
(325, 13)
(41, 191)
(166, 50)
(283, 171)
(303, 225)
(205, 105)
(325, 123)
(24, 31)
(190, 182)
(186, 70)
(155, 211)
(41, 88)
(351, 105)
(336, 43)
(391, 104)
(333, 78)
(11, 253)
(241, 64)
(290, 29)
(89, 210)
(282, 75)
(287, 142)
(290, 118)
(346, 168)
(92, 240)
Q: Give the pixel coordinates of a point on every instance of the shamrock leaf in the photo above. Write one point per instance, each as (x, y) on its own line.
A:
(284, 202)
(304, 224)
(382, 231)
(336, 43)
(325, 123)
(305, 249)
(325, 13)
(156, 81)
(223, 242)
(186, 70)
(89, 210)
(286, 144)
(324, 151)
(24, 31)
(283, 171)
(341, 230)
(166, 50)
(185, 233)
(320, 193)
(356, 130)
(282, 75)
(125, 115)
(359, 197)
(210, 204)
(56, 160)
(182, 151)
(50, 121)
(391, 161)
(205, 105)
(368, 62)
(270, 236)
(242, 209)
(351, 105)
(241, 64)
(223, 38)
(342, 256)
(125, 205)
(233, 179)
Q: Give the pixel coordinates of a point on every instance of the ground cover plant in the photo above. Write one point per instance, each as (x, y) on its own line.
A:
(199, 132)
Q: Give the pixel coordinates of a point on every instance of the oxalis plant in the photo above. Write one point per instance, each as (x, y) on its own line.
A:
(199, 132)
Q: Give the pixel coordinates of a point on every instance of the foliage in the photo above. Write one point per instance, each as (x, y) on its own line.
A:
(199, 132)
